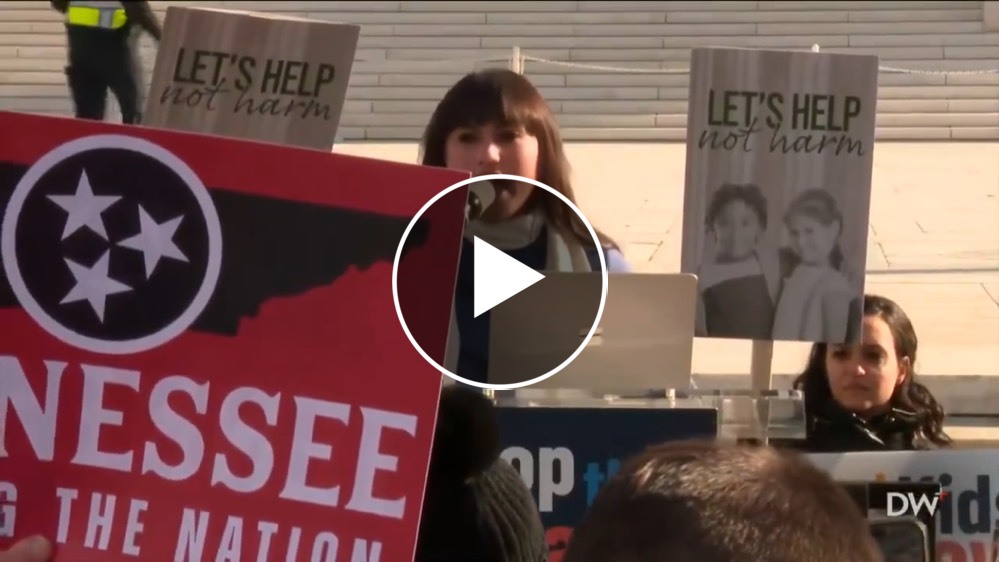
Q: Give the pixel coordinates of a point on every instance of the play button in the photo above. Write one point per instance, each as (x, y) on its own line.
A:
(520, 313)
(498, 276)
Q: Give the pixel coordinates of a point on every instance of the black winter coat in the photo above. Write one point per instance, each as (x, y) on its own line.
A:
(835, 430)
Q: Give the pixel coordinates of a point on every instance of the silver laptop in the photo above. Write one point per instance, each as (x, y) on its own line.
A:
(644, 340)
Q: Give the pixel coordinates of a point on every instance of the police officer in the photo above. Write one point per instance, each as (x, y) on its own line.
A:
(103, 54)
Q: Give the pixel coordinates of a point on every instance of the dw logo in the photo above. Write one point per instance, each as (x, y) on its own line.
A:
(909, 503)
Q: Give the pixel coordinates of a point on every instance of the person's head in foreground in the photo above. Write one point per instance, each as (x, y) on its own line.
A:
(476, 507)
(711, 502)
(495, 121)
(865, 395)
(31, 549)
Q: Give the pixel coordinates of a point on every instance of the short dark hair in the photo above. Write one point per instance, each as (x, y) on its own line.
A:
(749, 194)
(711, 502)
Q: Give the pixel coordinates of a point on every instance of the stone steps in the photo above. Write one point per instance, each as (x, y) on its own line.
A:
(675, 134)
(970, 432)
(410, 52)
(679, 135)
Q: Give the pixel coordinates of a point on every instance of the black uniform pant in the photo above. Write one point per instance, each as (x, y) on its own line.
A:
(102, 60)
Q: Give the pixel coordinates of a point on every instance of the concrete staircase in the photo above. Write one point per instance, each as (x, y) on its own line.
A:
(410, 52)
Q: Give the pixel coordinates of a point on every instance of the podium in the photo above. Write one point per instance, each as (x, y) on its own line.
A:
(741, 415)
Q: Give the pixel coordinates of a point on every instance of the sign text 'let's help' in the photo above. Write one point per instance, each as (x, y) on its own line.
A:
(799, 122)
(276, 87)
(256, 76)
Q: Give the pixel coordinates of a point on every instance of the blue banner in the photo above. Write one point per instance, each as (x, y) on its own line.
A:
(566, 454)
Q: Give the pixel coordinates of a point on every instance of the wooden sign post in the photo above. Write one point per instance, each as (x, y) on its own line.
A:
(254, 76)
(777, 197)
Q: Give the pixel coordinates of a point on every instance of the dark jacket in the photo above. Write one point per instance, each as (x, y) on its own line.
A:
(834, 430)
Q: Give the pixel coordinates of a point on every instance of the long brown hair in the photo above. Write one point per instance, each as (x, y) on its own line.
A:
(910, 395)
(503, 97)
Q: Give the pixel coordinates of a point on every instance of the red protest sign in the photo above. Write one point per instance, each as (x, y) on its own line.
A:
(201, 358)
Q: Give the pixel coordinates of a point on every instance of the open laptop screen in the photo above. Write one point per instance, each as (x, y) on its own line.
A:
(643, 340)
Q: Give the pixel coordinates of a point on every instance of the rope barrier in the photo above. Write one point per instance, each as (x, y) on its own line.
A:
(892, 70)
(603, 68)
(437, 61)
(630, 70)
(621, 69)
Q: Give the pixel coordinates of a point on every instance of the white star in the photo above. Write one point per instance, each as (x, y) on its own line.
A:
(84, 208)
(94, 285)
(155, 241)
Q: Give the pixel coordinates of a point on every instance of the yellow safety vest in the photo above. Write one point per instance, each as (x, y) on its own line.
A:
(96, 13)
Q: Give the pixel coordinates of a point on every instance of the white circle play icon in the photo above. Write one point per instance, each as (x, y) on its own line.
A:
(522, 322)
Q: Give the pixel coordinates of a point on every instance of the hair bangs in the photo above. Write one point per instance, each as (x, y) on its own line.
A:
(492, 97)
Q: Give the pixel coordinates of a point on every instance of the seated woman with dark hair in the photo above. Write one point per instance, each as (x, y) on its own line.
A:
(865, 396)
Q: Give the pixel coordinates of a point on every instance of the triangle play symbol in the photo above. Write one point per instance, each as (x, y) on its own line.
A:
(498, 276)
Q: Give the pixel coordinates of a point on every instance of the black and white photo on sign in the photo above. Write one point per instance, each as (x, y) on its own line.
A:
(777, 196)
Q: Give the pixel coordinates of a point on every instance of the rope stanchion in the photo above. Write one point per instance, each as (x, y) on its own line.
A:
(517, 61)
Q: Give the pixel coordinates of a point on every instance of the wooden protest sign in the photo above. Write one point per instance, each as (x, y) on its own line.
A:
(779, 158)
(203, 361)
(249, 75)
(777, 195)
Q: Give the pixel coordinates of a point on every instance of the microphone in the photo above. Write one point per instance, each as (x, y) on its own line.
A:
(480, 196)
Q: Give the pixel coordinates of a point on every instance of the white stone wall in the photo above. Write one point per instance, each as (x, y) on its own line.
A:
(410, 52)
